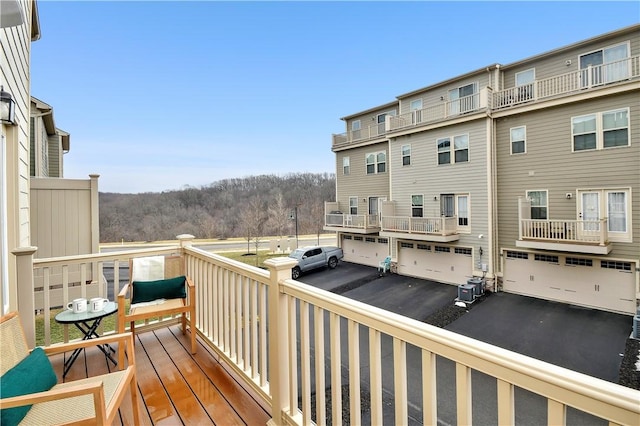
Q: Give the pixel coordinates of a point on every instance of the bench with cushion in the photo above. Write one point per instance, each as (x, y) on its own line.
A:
(157, 288)
(30, 394)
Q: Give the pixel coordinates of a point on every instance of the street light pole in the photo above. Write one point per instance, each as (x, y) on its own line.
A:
(296, 215)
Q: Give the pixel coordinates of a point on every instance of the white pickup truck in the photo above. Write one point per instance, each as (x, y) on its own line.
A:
(314, 257)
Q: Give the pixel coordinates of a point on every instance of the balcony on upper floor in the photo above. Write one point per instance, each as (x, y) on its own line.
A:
(438, 229)
(446, 110)
(272, 335)
(594, 77)
(576, 236)
(365, 134)
(587, 236)
(335, 219)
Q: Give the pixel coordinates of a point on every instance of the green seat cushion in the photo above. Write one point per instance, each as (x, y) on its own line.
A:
(33, 374)
(171, 288)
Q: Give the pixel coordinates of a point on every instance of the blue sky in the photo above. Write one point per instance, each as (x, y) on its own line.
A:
(158, 95)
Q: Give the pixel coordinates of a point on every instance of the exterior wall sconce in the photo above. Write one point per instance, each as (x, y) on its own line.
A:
(7, 107)
(435, 198)
(480, 251)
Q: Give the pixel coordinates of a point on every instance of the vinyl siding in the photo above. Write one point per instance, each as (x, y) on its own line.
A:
(358, 182)
(15, 54)
(550, 164)
(424, 176)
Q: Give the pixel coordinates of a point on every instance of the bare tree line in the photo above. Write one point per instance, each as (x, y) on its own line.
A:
(249, 207)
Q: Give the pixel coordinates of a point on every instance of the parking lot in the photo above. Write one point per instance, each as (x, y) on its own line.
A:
(581, 339)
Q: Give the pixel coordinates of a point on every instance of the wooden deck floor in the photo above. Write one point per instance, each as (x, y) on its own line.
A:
(175, 387)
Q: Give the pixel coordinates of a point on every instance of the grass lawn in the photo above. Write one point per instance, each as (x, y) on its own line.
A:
(109, 323)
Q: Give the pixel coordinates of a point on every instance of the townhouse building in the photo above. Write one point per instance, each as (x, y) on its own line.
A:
(526, 175)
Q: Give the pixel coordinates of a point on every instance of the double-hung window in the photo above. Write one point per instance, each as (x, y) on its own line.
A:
(406, 155)
(539, 204)
(355, 129)
(346, 168)
(600, 130)
(417, 205)
(376, 162)
(353, 205)
(518, 140)
(460, 149)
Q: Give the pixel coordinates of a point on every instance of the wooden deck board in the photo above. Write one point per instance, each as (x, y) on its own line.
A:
(174, 386)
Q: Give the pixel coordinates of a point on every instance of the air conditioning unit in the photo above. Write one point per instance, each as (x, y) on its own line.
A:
(478, 286)
(466, 292)
(636, 327)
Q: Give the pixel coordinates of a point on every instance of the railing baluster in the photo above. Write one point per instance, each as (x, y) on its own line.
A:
(353, 332)
(293, 355)
(318, 324)
(305, 363)
(463, 394)
(429, 388)
(506, 403)
(400, 381)
(336, 370)
(556, 413)
(263, 333)
(375, 372)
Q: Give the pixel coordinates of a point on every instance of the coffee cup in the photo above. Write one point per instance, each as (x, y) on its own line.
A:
(97, 304)
(78, 305)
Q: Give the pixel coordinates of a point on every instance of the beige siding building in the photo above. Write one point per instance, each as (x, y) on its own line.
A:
(524, 175)
(18, 28)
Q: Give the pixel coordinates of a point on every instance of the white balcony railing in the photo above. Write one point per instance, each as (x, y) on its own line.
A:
(420, 225)
(571, 82)
(290, 341)
(565, 231)
(445, 110)
(359, 221)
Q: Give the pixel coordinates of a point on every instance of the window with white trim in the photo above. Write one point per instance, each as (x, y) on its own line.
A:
(605, 65)
(460, 149)
(524, 84)
(612, 204)
(355, 129)
(346, 169)
(539, 204)
(353, 205)
(456, 205)
(417, 205)
(415, 104)
(462, 99)
(600, 130)
(376, 162)
(518, 140)
(406, 155)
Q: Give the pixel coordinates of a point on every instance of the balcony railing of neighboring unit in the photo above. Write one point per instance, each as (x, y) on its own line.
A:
(565, 231)
(443, 111)
(420, 225)
(364, 134)
(593, 76)
(236, 301)
(360, 221)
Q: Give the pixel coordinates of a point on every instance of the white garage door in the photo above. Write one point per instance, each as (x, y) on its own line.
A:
(445, 264)
(363, 250)
(597, 283)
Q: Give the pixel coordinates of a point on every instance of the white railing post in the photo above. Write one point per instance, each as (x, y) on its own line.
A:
(26, 301)
(279, 270)
(186, 240)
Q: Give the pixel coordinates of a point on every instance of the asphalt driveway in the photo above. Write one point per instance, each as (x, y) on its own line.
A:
(584, 340)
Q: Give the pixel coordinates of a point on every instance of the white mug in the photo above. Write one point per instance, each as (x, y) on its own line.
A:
(97, 304)
(78, 305)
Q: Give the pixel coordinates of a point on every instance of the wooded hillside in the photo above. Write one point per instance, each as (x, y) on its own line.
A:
(248, 207)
